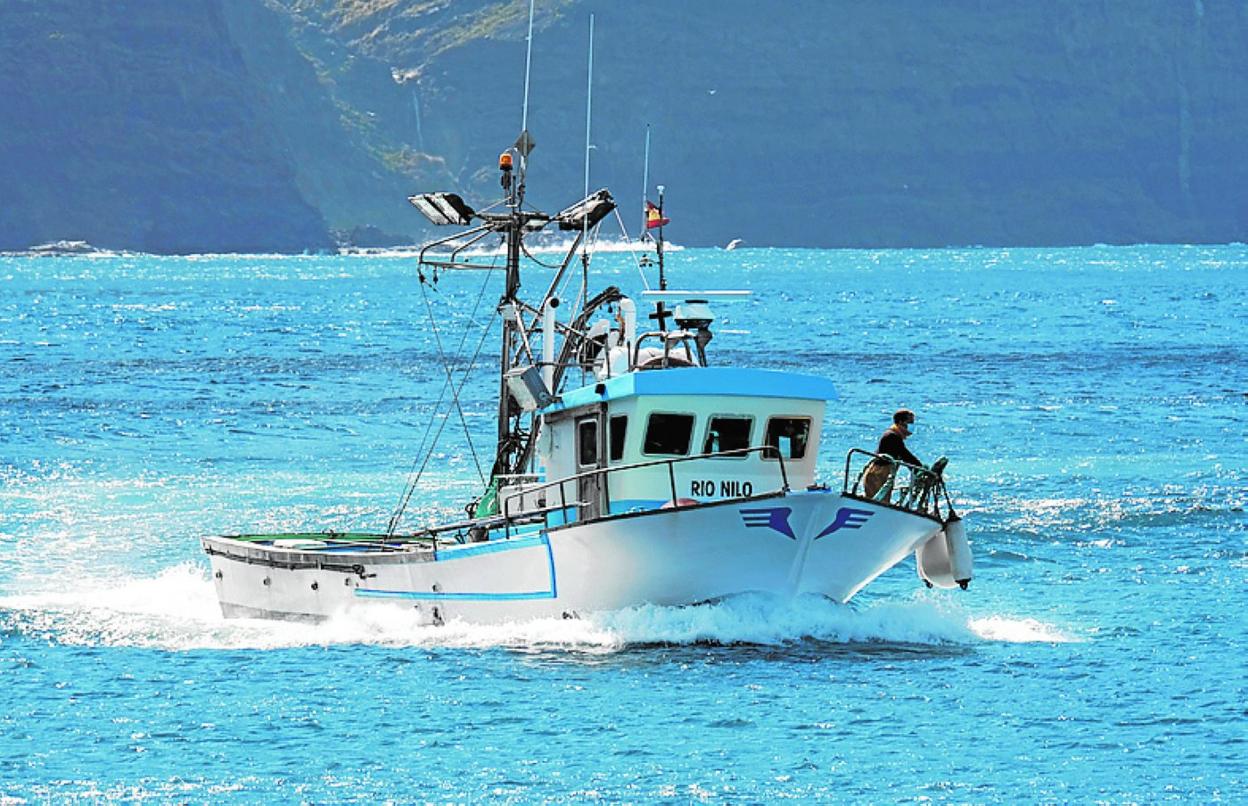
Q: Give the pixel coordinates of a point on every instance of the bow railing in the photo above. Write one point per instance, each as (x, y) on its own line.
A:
(604, 474)
(878, 477)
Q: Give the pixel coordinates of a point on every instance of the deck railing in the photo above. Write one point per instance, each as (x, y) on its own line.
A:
(675, 501)
(921, 491)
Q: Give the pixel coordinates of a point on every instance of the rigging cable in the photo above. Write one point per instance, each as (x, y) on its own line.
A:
(407, 495)
(446, 367)
(533, 258)
(629, 243)
(563, 294)
(415, 473)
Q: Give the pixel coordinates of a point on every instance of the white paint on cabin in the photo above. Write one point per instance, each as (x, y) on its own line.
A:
(562, 455)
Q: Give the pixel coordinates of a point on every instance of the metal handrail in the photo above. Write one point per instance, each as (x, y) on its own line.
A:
(923, 495)
(667, 337)
(606, 471)
(512, 476)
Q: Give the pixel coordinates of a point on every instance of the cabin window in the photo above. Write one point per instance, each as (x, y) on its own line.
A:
(587, 443)
(788, 435)
(668, 434)
(618, 430)
(727, 434)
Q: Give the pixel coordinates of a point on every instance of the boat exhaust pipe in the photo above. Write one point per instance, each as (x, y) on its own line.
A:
(548, 342)
(628, 313)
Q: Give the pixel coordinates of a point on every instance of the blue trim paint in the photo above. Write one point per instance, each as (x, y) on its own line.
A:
(846, 518)
(550, 559)
(482, 596)
(561, 517)
(774, 518)
(712, 381)
(636, 505)
(490, 547)
(439, 596)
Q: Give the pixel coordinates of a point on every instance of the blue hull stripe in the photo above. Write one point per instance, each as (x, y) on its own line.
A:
(550, 560)
(475, 549)
(370, 593)
(483, 548)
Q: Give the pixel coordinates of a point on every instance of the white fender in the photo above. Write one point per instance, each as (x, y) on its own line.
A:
(931, 559)
(960, 558)
(944, 559)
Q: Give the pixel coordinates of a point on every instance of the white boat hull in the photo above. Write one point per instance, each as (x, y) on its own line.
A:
(805, 542)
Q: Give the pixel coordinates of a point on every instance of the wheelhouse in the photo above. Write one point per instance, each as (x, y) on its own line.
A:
(678, 437)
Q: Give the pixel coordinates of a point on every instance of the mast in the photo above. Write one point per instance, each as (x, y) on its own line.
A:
(658, 247)
(519, 395)
(660, 310)
(508, 421)
(506, 310)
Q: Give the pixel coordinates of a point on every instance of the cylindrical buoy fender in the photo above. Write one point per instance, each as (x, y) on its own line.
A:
(961, 562)
(931, 560)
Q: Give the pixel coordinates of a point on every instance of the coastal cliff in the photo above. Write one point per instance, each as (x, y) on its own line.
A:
(135, 125)
(270, 124)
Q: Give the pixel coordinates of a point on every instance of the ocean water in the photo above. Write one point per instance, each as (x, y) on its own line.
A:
(1093, 403)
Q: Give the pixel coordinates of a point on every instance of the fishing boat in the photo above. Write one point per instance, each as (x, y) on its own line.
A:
(657, 478)
(629, 467)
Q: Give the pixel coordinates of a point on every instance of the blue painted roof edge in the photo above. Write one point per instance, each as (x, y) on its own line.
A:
(721, 381)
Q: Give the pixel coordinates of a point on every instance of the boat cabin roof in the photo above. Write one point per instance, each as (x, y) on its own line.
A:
(716, 381)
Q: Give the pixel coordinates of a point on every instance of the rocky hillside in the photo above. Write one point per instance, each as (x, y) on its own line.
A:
(233, 124)
(136, 125)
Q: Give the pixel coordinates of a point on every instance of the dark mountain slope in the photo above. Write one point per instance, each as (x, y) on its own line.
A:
(134, 125)
(258, 124)
(854, 123)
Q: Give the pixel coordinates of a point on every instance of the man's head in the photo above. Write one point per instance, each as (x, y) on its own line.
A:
(904, 419)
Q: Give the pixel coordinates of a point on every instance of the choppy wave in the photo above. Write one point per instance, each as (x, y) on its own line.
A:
(177, 610)
(1097, 452)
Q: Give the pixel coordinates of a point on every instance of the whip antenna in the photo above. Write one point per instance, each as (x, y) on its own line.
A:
(589, 100)
(645, 186)
(589, 107)
(524, 113)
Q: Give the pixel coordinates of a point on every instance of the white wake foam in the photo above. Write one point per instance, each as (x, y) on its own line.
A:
(177, 610)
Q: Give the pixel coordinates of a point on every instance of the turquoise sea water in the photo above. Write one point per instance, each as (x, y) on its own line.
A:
(1093, 403)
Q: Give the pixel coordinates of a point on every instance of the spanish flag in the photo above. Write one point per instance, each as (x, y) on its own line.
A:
(654, 218)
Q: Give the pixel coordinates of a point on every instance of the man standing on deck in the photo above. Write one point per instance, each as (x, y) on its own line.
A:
(893, 445)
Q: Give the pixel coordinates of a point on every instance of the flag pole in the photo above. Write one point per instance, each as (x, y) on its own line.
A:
(660, 310)
(659, 248)
(645, 187)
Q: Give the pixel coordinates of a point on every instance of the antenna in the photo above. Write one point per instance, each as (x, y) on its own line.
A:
(528, 63)
(589, 107)
(589, 100)
(645, 186)
(525, 142)
(660, 312)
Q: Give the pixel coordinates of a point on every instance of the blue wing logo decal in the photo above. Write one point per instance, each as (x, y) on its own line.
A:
(774, 518)
(846, 518)
(777, 519)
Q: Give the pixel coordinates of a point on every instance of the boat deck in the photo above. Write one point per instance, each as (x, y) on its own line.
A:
(338, 542)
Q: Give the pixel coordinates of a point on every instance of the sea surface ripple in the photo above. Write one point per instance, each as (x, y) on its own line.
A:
(1093, 403)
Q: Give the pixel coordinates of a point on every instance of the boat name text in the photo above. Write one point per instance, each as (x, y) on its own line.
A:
(728, 488)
